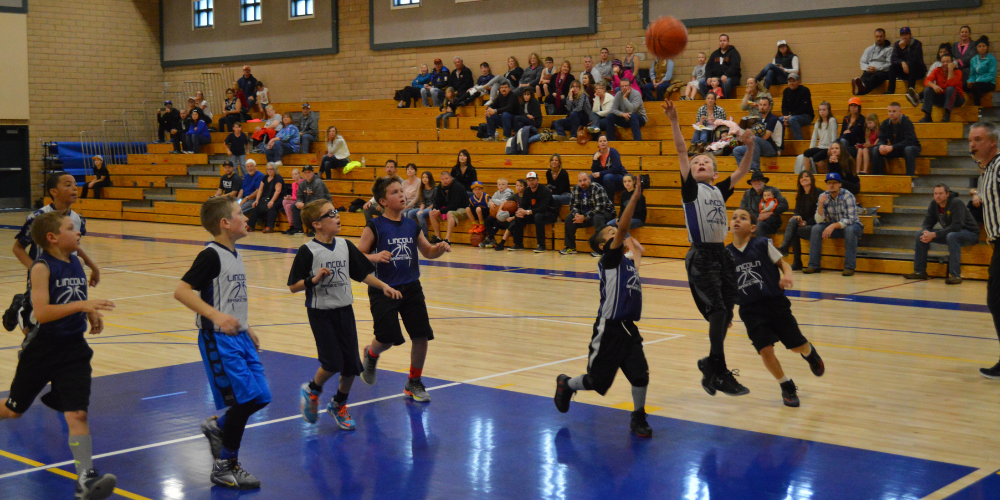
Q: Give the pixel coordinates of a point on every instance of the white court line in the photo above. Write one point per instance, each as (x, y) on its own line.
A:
(296, 416)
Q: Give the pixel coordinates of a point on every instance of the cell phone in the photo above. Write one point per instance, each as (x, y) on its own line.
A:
(644, 181)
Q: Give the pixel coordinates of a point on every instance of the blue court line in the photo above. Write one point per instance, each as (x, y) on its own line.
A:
(165, 395)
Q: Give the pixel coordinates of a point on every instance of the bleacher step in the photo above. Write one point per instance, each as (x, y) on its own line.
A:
(909, 210)
(137, 204)
(160, 197)
(183, 185)
(901, 254)
(896, 230)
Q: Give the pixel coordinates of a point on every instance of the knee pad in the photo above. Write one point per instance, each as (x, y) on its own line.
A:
(588, 382)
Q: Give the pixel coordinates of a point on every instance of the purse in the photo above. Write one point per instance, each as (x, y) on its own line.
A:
(582, 136)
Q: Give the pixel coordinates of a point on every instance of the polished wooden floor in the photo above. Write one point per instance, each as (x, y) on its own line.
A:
(900, 378)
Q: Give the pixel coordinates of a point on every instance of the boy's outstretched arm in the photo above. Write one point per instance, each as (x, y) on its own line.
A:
(675, 126)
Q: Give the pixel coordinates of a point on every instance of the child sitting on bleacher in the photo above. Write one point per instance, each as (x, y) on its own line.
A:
(691, 91)
(871, 138)
(767, 202)
(479, 208)
(714, 87)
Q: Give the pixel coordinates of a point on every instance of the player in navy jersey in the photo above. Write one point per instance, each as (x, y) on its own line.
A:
(215, 288)
(616, 343)
(55, 350)
(393, 242)
(764, 309)
(324, 268)
(710, 268)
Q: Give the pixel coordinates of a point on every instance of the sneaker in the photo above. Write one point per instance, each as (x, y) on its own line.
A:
(951, 280)
(563, 393)
(567, 251)
(344, 419)
(595, 254)
(309, 403)
(435, 239)
(726, 382)
(946, 118)
(788, 394)
(847, 272)
(705, 365)
(516, 248)
(594, 130)
(811, 270)
(210, 428)
(482, 244)
(816, 364)
(293, 230)
(368, 374)
(487, 103)
(540, 249)
(993, 373)
(416, 390)
(279, 164)
(10, 315)
(915, 276)
(228, 473)
(911, 95)
(498, 246)
(638, 425)
(489, 243)
(796, 266)
(926, 119)
(94, 486)
(857, 86)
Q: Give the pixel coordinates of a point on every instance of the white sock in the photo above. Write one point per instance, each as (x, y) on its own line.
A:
(809, 352)
(784, 379)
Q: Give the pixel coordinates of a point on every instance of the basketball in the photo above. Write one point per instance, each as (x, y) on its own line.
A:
(666, 37)
(509, 206)
(476, 238)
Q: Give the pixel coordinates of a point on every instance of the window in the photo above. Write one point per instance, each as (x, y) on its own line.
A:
(203, 17)
(301, 8)
(249, 11)
(396, 4)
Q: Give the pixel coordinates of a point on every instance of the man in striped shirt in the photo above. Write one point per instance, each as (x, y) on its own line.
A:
(983, 140)
(836, 217)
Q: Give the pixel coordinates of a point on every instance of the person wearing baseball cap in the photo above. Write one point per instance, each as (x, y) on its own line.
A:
(537, 208)
(308, 128)
(836, 217)
(907, 64)
(169, 120)
(435, 89)
(796, 106)
(248, 84)
(777, 71)
(852, 132)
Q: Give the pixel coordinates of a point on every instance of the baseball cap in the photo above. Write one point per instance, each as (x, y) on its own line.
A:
(904, 30)
(305, 105)
(227, 163)
(854, 100)
(168, 102)
(437, 61)
(833, 176)
(793, 76)
(477, 184)
(307, 168)
(246, 66)
(782, 42)
(531, 175)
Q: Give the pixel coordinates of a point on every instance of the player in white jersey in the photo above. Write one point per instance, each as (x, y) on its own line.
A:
(710, 267)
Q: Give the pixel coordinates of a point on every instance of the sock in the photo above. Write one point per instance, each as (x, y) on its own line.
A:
(579, 383)
(313, 387)
(717, 337)
(372, 354)
(340, 398)
(639, 398)
(221, 421)
(810, 352)
(228, 454)
(82, 453)
(784, 379)
(415, 372)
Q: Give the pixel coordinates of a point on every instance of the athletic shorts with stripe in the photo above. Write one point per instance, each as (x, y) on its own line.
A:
(336, 339)
(412, 309)
(616, 345)
(235, 373)
(712, 277)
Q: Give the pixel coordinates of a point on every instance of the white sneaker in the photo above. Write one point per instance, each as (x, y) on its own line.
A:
(487, 103)
(278, 164)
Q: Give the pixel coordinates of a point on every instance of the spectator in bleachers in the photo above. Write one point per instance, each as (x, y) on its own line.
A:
(536, 208)
(768, 221)
(785, 62)
(768, 139)
(434, 90)
(291, 194)
(588, 68)
(233, 112)
(627, 110)
(557, 180)
(206, 114)
(510, 78)
(284, 143)
(963, 51)
(982, 71)
(542, 89)
(500, 113)
(943, 87)
(617, 74)
(723, 64)
(660, 73)
(169, 120)
(411, 187)
(529, 112)
(244, 104)
(425, 201)
(872, 132)
(897, 139)
(251, 184)
(796, 106)
(958, 229)
(697, 74)
(463, 171)
(607, 168)
(503, 219)
(852, 130)
(639, 215)
(230, 184)
(197, 135)
(461, 77)
(248, 85)
(236, 146)
(589, 206)
(310, 189)
(495, 203)
(875, 63)
(450, 203)
(750, 99)
(448, 108)
(477, 211)
(603, 101)
(262, 99)
(603, 66)
(587, 85)
(628, 62)
(800, 225)
(102, 178)
(337, 155)
(469, 95)
(268, 200)
(559, 87)
(843, 164)
(186, 113)
(577, 112)
(531, 75)
(907, 63)
(372, 208)
(308, 128)
(272, 125)
(943, 50)
(836, 217)
(824, 134)
(406, 95)
(706, 117)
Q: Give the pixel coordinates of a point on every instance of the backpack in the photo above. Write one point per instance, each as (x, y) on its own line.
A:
(481, 132)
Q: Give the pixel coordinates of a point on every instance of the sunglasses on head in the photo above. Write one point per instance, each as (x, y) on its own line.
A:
(329, 215)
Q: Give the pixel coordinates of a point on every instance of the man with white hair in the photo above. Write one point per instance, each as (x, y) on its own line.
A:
(983, 139)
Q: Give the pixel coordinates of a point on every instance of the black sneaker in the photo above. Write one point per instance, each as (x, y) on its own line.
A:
(705, 365)
(563, 393)
(293, 230)
(515, 248)
(10, 315)
(434, 239)
(210, 428)
(784, 250)
(796, 266)
(499, 246)
(815, 363)
(788, 395)
(638, 425)
(228, 473)
(726, 382)
(993, 373)
(857, 87)
(539, 249)
(94, 486)
(911, 95)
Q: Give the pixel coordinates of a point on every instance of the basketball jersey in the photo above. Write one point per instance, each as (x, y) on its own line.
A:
(400, 239)
(705, 214)
(67, 283)
(757, 276)
(335, 290)
(227, 292)
(621, 290)
(24, 236)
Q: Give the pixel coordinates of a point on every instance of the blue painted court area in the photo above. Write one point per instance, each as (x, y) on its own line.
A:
(987, 488)
(471, 442)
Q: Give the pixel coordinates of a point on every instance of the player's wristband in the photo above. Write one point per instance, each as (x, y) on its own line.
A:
(309, 281)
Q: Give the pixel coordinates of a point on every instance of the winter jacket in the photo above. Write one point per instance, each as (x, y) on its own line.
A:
(751, 201)
(954, 218)
(878, 56)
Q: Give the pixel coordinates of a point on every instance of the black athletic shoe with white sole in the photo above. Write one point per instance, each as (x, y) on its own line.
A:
(705, 365)
(638, 425)
(94, 486)
(563, 393)
(993, 373)
(789, 394)
(727, 384)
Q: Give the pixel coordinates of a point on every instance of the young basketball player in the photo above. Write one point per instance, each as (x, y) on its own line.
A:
(764, 309)
(710, 268)
(616, 343)
(324, 268)
(215, 289)
(393, 242)
(55, 349)
(61, 187)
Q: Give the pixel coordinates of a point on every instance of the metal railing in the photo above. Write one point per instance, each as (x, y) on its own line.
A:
(138, 129)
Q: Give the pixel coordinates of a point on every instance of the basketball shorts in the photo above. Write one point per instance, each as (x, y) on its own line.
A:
(336, 340)
(234, 370)
(712, 277)
(769, 321)
(616, 345)
(412, 309)
(63, 362)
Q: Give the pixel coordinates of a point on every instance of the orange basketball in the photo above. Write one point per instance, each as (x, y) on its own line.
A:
(666, 37)
(509, 206)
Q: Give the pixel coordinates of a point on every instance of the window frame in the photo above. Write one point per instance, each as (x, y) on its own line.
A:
(396, 5)
(244, 4)
(291, 6)
(195, 11)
